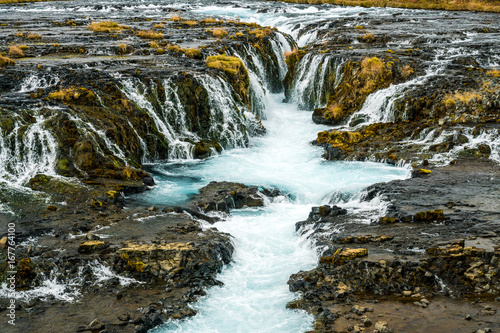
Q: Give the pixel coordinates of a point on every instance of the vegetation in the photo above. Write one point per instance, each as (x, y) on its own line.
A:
(218, 32)
(174, 48)
(260, 33)
(467, 97)
(175, 17)
(209, 20)
(150, 34)
(159, 26)
(368, 38)
(494, 72)
(5, 61)
(477, 5)
(106, 26)
(228, 64)
(72, 93)
(193, 53)
(32, 35)
(122, 48)
(15, 51)
(190, 23)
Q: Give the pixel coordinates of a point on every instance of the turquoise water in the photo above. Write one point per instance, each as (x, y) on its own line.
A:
(267, 251)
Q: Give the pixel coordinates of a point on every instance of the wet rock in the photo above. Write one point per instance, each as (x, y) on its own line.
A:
(222, 196)
(95, 325)
(92, 246)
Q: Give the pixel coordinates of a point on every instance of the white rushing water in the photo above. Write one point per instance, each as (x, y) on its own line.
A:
(267, 251)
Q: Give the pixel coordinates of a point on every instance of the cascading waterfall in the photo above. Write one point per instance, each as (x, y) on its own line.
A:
(314, 71)
(27, 150)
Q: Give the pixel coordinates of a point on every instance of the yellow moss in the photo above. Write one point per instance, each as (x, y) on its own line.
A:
(190, 23)
(5, 61)
(231, 65)
(407, 71)
(159, 26)
(15, 51)
(424, 171)
(368, 38)
(175, 17)
(494, 72)
(150, 34)
(160, 51)
(219, 32)
(358, 27)
(23, 47)
(463, 97)
(193, 53)
(260, 33)
(174, 48)
(106, 26)
(153, 45)
(71, 93)
(239, 34)
(111, 194)
(122, 48)
(32, 35)
(209, 20)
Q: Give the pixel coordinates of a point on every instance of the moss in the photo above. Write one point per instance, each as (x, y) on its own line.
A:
(106, 26)
(429, 216)
(260, 33)
(16, 51)
(193, 53)
(150, 34)
(5, 61)
(228, 64)
(387, 220)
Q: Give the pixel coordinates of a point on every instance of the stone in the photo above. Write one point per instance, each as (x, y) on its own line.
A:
(52, 208)
(366, 321)
(95, 325)
(92, 246)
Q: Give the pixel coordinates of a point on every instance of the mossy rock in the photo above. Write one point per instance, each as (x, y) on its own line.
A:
(429, 216)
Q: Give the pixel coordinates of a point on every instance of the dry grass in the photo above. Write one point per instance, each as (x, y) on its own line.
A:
(239, 34)
(175, 17)
(19, 34)
(209, 20)
(23, 47)
(193, 53)
(16, 52)
(334, 111)
(494, 72)
(5, 61)
(190, 23)
(153, 45)
(123, 48)
(106, 26)
(407, 70)
(368, 38)
(260, 33)
(372, 68)
(150, 34)
(467, 97)
(478, 5)
(32, 35)
(159, 26)
(218, 32)
(174, 48)
(160, 51)
(230, 65)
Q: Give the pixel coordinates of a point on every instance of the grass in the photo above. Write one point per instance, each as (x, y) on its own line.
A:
(494, 72)
(159, 26)
(150, 34)
(450, 100)
(368, 38)
(174, 48)
(106, 26)
(260, 33)
(16, 51)
(32, 35)
(228, 64)
(193, 53)
(372, 68)
(463, 5)
(122, 48)
(6, 61)
(71, 93)
(407, 70)
(218, 32)
(175, 17)
(190, 23)
(209, 20)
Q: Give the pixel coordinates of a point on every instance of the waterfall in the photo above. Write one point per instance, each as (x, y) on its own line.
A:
(168, 115)
(313, 79)
(27, 150)
(227, 125)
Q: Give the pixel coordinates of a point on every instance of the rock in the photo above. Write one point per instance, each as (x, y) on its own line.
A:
(52, 208)
(343, 255)
(92, 246)
(222, 196)
(382, 327)
(429, 216)
(95, 325)
(406, 293)
(358, 309)
(468, 317)
(387, 220)
(424, 301)
(92, 237)
(366, 321)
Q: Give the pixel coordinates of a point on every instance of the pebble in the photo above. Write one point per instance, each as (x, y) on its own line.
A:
(468, 317)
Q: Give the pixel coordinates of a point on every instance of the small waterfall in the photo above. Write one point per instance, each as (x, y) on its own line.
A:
(27, 150)
(227, 125)
(35, 82)
(168, 115)
(313, 80)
